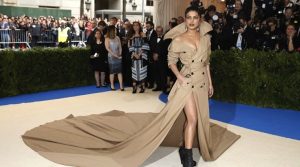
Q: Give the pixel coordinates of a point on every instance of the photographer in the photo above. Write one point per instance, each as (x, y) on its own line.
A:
(213, 19)
(286, 19)
(271, 36)
(243, 35)
(264, 8)
(234, 10)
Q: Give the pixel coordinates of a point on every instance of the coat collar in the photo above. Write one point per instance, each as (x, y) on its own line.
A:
(205, 27)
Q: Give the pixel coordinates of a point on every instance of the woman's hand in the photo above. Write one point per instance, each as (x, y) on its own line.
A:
(210, 90)
(137, 56)
(181, 79)
(117, 56)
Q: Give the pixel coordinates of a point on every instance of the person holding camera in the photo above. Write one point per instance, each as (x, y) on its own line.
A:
(243, 35)
(271, 36)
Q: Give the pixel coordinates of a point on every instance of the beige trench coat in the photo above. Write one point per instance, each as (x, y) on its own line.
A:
(119, 139)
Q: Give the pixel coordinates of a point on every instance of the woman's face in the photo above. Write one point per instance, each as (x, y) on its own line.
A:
(290, 30)
(97, 35)
(192, 20)
(136, 27)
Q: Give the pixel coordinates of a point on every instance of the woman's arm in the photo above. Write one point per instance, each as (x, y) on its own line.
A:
(290, 44)
(181, 79)
(210, 85)
(173, 57)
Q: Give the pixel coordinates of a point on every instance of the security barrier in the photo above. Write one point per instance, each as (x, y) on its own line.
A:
(15, 36)
(21, 38)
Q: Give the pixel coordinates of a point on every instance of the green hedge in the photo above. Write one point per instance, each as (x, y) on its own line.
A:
(43, 69)
(253, 77)
(266, 79)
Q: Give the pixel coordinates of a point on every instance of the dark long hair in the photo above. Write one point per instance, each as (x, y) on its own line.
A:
(101, 35)
(195, 6)
(132, 30)
(111, 32)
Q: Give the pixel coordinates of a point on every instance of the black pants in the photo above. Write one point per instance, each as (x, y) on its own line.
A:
(126, 66)
(34, 40)
(160, 74)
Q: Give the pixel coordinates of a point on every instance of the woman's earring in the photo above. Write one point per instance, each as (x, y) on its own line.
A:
(185, 28)
(198, 29)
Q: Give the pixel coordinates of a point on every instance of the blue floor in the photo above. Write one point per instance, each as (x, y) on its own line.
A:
(285, 123)
(54, 94)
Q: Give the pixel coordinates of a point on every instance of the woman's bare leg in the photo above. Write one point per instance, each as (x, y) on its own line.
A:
(97, 78)
(190, 128)
(102, 78)
(111, 79)
(120, 78)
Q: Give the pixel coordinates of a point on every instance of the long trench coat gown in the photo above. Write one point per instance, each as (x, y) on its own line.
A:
(120, 139)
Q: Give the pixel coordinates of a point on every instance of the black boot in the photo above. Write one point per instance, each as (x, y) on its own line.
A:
(182, 155)
(142, 88)
(134, 88)
(188, 158)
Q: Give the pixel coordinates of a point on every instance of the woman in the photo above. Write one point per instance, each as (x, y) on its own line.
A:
(119, 139)
(289, 42)
(191, 40)
(114, 48)
(98, 59)
(138, 49)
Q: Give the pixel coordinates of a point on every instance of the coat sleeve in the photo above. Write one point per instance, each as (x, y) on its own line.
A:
(173, 53)
(206, 62)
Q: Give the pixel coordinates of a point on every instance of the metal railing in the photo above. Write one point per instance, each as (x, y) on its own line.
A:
(47, 37)
(16, 36)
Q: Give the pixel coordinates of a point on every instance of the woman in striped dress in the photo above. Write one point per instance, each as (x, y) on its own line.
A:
(138, 50)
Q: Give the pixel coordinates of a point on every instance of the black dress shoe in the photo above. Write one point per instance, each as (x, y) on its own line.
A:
(122, 89)
(97, 86)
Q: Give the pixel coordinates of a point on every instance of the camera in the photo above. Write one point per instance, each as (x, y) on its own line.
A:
(236, 26)
(230, 8)
(216, 24)
(230, 5)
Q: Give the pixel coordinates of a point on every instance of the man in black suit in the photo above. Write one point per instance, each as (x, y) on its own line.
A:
(102, 27)
(247, 7)
(152, 40)
(243, 35)
(160, 75)
(126, 58)
(113, 21)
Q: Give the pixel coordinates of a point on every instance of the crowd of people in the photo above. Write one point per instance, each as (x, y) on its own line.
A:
(137, 52)
(44, 30)
(272, 26)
